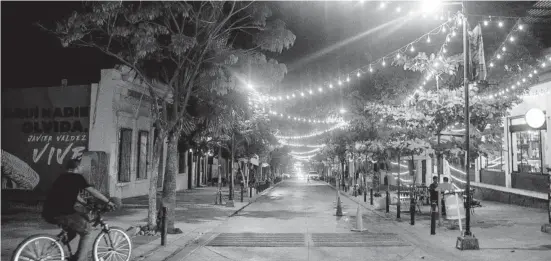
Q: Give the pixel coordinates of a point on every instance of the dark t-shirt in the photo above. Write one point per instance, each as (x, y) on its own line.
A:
(433, 192)
(63, 195)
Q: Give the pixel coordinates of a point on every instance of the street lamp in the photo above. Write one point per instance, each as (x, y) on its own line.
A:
(467, 241)
(535, 118)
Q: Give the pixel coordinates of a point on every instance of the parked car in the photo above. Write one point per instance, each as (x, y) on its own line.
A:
(314, 175)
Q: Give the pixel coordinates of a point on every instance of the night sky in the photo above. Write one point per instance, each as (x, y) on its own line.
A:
(33, 58)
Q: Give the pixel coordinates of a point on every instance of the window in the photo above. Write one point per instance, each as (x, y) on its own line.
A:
(526, 145)
(143, 144)
(125, 153)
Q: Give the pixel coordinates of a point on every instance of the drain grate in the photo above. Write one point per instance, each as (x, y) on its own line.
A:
(258, 240)
(356, 240)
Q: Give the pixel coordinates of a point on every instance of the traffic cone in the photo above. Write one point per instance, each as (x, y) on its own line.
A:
(339, 207)
(359, 220)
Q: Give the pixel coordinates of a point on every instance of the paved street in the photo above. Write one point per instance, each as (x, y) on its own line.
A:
(296, 221)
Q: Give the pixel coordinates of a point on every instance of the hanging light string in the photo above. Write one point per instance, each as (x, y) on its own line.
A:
(511, 37)
(305, 152)
(379, 63)
(304, 119)
(521, 81)
(285, 143)
(313, 134)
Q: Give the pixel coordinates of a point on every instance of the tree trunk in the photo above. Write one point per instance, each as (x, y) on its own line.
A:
(169, 185)
(153, 170)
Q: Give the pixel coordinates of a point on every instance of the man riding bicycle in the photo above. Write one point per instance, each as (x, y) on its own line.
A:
(59, 206)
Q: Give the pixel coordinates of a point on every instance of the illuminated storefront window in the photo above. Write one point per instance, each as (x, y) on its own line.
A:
(526, 146)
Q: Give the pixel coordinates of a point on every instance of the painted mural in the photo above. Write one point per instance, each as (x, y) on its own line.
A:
(42, 128)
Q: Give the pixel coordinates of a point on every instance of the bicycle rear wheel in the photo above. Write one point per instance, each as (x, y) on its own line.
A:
(113, 246)
(39, 247)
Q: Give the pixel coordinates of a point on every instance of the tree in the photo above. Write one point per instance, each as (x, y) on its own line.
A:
(188, 46)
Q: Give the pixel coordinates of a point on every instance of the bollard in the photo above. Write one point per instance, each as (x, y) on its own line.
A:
(387, 202)
(163, 226)
(251, 192)
(371, 197)
(365, 195)
(241, 192)
(412, 210)
(433, 219)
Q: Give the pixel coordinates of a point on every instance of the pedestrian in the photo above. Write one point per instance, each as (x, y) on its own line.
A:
(433, 189)
(445, 186)
(59, 206)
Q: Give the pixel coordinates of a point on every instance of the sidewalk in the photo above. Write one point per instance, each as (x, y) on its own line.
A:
(196, 214)
(501, 229)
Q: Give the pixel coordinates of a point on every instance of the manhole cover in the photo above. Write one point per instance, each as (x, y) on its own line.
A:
(258, 240)
(356, 240)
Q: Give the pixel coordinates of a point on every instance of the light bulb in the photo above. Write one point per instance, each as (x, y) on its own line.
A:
(530, 75)
(293, 95)
(503, 48)
(302, 94)
(444, 29)
(521, 27)
(454, 33)
(310, 91)
(280, 98)
(523, 79)
(412, 49)
(384, 63)
(320, 89)
(535, 71)
(287, 97)
(330, 85)
(512, 38)
(444, 50)
(448, 39)
(513, 87)
(498, 56)
(370, 69)
(428, 39)
(358, 74)
(398, 56)
(485, 22)
(347, 79)
(340, 83)
(543, 65)
(500, 24)
(398, 9)
(491, 64)
(382, 5)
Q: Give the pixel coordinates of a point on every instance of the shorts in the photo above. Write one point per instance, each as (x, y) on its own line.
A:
(76, 222)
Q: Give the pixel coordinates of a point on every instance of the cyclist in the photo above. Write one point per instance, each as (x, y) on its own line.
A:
(59, 206)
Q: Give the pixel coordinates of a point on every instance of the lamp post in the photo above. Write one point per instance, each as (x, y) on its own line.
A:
(535, 118)
(466, 241)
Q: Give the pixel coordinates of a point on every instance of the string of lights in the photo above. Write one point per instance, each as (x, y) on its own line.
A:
(313, 134)
(382, 62)
(522, 80)
(283, 142)
(305, 152)
(304, 119)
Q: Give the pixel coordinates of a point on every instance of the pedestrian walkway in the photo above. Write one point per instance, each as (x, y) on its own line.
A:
(195, 215)
(505, 232)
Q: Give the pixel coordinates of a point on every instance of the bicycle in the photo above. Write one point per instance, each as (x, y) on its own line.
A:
(118, 245)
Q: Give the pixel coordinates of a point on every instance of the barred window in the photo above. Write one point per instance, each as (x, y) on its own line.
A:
(143, 144)
(125, 153)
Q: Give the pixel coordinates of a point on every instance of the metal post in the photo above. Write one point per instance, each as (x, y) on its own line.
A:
(399, 185)
(433, 212)
(467, 121)
(412, 209)
(164, 226)
(242, 188)
(251, 192)
(371, 196)
(387, 201)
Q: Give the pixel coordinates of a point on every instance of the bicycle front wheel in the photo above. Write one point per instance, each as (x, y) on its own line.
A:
(114, 245)
(39, 247)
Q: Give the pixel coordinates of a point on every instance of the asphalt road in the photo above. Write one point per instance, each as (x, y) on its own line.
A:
(296, 221)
